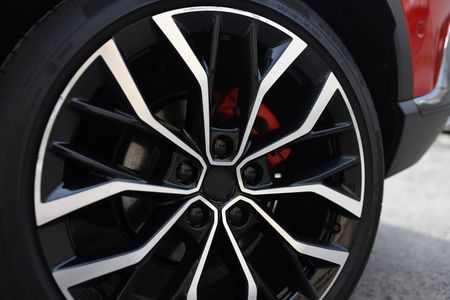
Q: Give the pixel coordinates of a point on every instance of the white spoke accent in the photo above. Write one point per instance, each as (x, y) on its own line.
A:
(329, 254)
(295, 48)
(252, 291)
(109, 52)
(51, 210)
(70, 276)
(114, 60)
(192, 293)
(329, 88)
(351, 205)
(112, 57)
(168, 26)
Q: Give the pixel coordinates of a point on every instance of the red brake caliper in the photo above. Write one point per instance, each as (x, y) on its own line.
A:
(265, 121)
(226, 103)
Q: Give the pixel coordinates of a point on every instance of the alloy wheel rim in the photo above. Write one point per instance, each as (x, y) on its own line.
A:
(255, 198)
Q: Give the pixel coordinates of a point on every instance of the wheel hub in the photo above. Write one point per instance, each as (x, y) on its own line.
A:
(220, 184)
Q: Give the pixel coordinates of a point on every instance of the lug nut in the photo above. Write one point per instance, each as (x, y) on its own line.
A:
(195, 217)
(251, 175)
(333, 227)
(185, 173)
(222, 147)
(237, 217)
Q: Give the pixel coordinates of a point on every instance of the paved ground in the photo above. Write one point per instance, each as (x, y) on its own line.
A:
(411, 256)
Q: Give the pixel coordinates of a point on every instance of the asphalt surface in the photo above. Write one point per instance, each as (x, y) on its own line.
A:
(411, 255)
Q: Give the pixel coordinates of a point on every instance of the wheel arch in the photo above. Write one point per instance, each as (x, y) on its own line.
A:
(376, 35)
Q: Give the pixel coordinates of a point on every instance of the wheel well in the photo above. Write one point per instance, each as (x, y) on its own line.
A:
(367, 28)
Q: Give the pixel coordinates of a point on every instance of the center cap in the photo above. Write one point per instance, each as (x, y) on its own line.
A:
(219, 184)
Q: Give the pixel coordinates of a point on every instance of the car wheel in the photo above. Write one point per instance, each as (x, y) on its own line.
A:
(173, 149)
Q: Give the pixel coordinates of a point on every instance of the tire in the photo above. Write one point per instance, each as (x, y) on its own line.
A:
(39, 70)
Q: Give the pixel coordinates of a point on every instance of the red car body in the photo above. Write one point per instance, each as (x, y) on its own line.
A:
(428, 25)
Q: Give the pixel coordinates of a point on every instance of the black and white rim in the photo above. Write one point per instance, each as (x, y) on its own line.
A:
(342, 202)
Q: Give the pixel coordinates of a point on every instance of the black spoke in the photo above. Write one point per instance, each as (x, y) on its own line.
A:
(301, 279)
(76, 154)
(215, 40)
(179, 285)
(337, 129)
(262, 285)
(128, 286)
(251, 54)
(258, 142)
(251, 73)
(328, 169)
(115, 116)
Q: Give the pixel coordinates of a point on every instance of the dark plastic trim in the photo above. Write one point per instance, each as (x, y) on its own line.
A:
(402, 51)
(417, 135)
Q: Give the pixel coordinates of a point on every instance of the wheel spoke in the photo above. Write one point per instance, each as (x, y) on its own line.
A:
(333, 254)
(192, 292)
(215, 39)
(344, 201)
(302, 279)
(182, 278)
(251, 285)
(67, 277)
(354, 206)
(167, 24)
(62, 205)
(284, 56)
(329, 88)
(52, 210)
(251, 56)
(115, 116)
(124, 292)
(188, 274)
(336, 129)
(251, 68)
(71, 152)
(327, 170)
(263, 286)
(114, 60)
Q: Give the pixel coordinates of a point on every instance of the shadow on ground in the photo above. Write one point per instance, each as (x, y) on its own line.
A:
(406, 265)
(411, 256)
